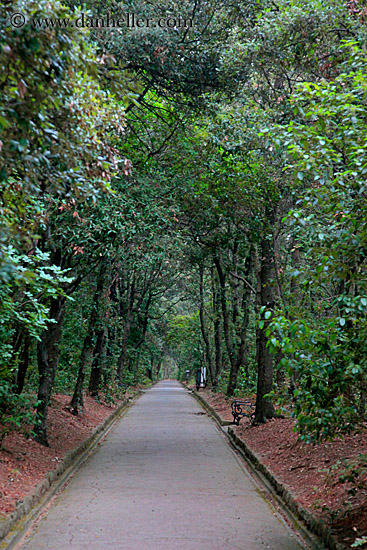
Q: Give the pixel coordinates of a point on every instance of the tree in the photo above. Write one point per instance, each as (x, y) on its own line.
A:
(324, 342)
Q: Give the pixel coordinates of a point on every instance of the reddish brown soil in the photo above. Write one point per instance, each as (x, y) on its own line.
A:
(23, 462)
(303, 469)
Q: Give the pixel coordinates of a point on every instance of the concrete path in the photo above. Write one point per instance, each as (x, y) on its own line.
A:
(164, 478)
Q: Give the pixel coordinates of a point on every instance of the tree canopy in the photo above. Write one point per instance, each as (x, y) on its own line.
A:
(185, 196)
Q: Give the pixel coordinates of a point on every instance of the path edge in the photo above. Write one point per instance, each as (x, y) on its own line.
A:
(311, 525)
(13, 527)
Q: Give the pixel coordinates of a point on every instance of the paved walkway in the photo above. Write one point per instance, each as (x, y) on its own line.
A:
(165, 478)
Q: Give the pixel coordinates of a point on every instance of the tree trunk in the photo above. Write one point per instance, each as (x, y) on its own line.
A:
(86, 354)
(150, 369)
(241, 355)
(77, 400)
(208, 352)
(264, 407)
(97, 364)
(217, 332)
(145, 322)
(159, 365)
(280, 374)
(225, 312)
(48, 355)
(23, 365)
(136, 369)
(126, 333)
(362, 402)
(16, 344)
(294, 289)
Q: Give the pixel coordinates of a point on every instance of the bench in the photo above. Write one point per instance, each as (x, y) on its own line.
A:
(242, 408)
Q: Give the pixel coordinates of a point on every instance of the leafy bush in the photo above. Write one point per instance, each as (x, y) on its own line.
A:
(328, 387)
(16, 411)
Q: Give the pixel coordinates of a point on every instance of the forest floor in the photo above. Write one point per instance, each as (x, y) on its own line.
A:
(311, 472)
(24, 462)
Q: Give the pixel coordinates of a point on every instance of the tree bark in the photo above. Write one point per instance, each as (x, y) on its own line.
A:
(97, 363)
(150, 369)
(86, 354)
(217, 332)
(126, 333)
(225, 312)
(23, 365)
(48, 355)
(264, 407)
(159, 365)
(208, 352)
(294, 289)
(145, 322)
(241, 355)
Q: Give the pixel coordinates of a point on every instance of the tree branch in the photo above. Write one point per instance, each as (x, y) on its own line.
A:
(243, 280)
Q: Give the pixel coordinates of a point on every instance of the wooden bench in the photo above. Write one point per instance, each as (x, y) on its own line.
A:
(242, 408)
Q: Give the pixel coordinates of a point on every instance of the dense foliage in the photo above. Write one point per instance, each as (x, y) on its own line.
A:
(179, 197)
